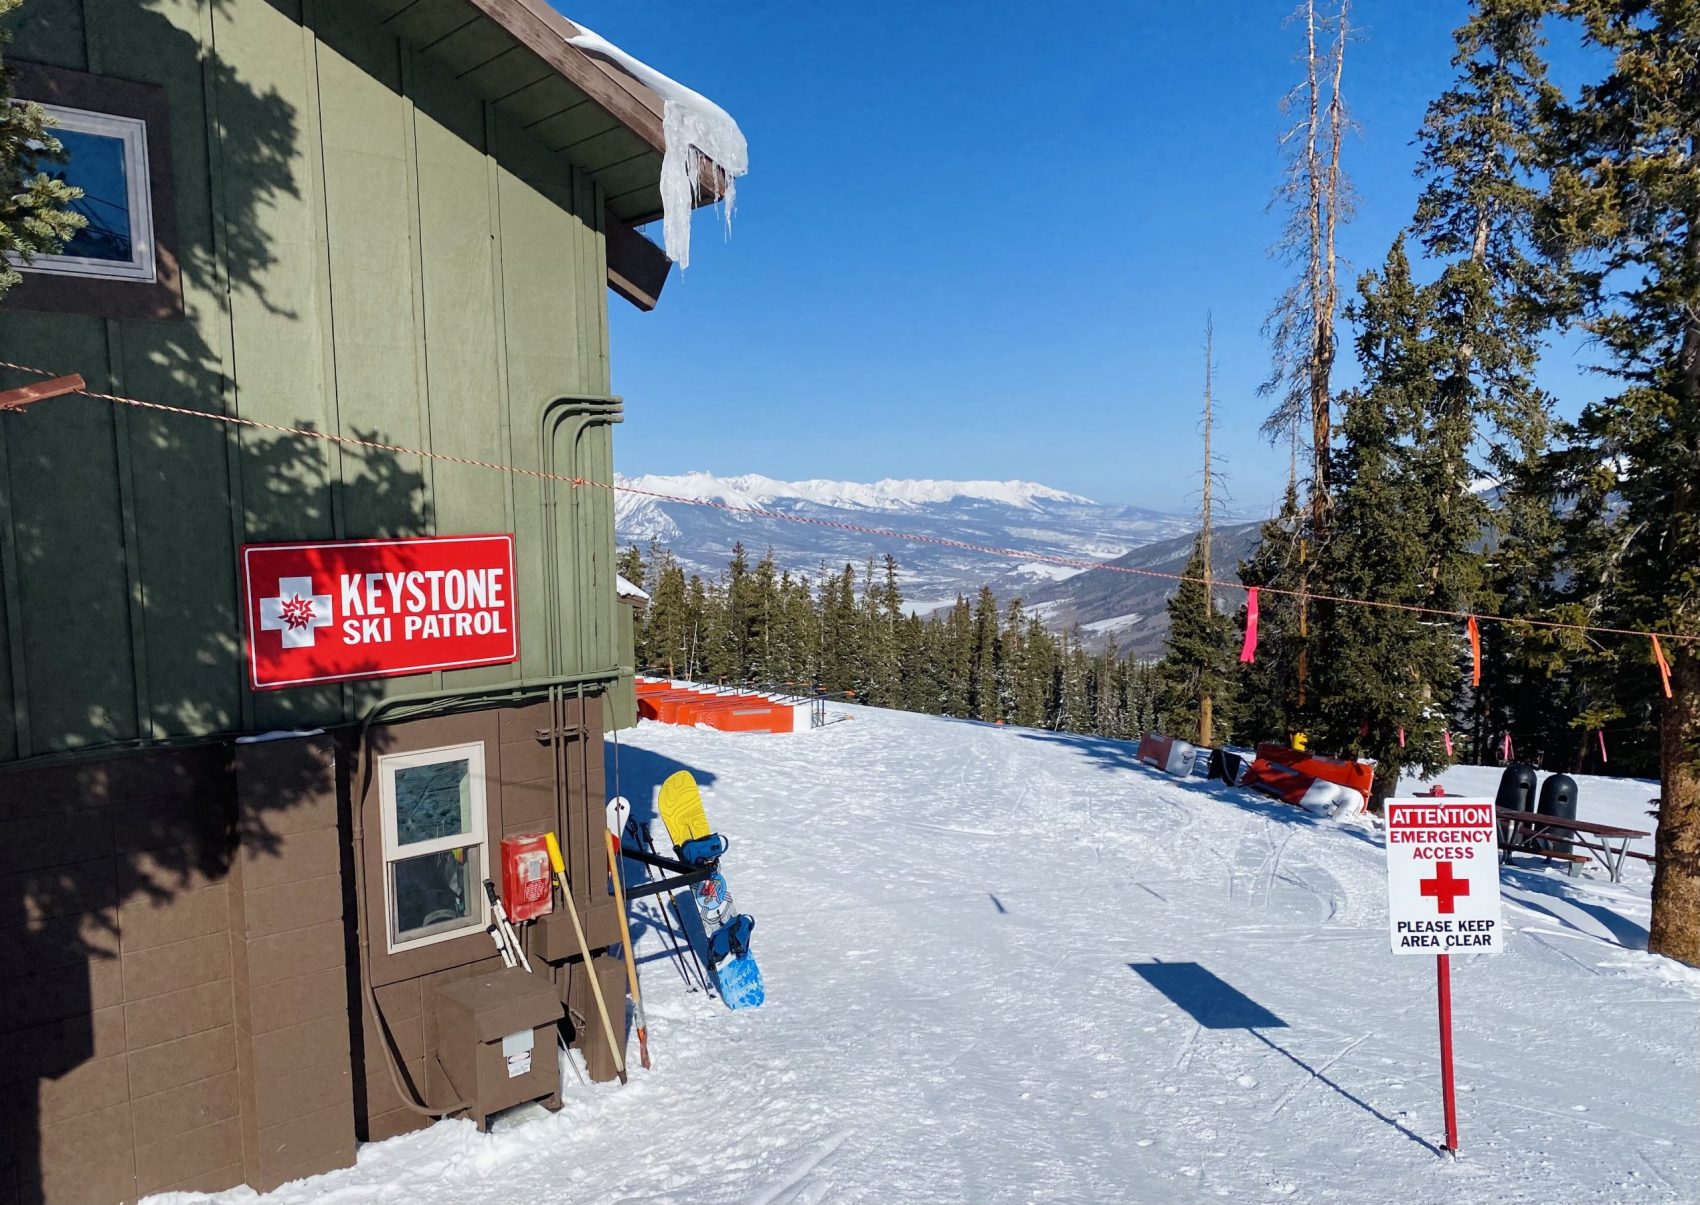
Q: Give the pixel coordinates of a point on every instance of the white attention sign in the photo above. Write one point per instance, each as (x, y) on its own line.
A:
(1443, 876)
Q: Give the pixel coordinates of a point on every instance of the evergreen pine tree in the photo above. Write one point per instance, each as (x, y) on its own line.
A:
(1481, 143)
(1037, 670)
(1074, 705)
(1375, 670)
(1199, 657)
(631, 567)
(882, 607)
(1625, 163)
(697, 623)
(958, 659)
(763, 605)
(1267, 689)
(983, 673)
(1013, 663)
(666, 632)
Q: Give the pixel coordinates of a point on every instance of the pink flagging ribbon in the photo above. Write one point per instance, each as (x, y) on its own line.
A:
(1401, 738)
(1248, 650)
(1507, 748)
(1601, 733)
(1446, 738)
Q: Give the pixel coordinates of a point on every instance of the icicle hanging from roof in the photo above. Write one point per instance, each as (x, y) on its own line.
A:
(694, 128)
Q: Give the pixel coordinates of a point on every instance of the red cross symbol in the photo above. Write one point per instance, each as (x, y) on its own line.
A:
(1444, 887)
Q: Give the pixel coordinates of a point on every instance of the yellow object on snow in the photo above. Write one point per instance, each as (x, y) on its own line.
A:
(1301, 742)
(681, 811)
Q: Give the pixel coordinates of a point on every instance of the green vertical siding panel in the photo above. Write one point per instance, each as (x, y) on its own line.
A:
(272, 254)
(63, 538)
(540, 307)
(373, 257)
(14, 683)
(177, 466)
(272, 238)
(67, 531)
(462, 345)
(463, 348)
(369, 223)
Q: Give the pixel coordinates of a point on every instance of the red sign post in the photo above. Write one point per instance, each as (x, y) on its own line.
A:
(348, 609)
(1443, 898)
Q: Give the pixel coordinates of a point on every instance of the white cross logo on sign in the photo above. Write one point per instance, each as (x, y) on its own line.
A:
(296, 613)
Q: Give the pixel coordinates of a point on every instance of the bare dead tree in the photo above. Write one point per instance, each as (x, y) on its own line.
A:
(1317, 197)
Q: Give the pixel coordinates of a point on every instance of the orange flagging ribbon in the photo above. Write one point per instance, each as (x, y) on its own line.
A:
(1475, 651)
(1664, 666)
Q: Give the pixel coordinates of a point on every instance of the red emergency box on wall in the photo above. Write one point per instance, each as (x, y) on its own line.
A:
(527, 879)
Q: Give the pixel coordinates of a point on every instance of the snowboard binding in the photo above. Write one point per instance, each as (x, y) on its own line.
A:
(731, 940)
(703, 852)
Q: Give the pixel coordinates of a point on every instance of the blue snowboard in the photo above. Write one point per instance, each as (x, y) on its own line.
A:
(736, 977)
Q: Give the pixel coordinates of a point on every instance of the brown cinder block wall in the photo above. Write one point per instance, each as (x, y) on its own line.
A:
(117, 1035)
(287, 892)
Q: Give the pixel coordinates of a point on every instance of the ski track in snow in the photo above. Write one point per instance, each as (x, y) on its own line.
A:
(947, 919)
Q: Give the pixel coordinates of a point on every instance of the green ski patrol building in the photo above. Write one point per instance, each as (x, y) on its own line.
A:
(241, 862)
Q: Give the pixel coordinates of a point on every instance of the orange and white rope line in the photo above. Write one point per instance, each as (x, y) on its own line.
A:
(839, 525)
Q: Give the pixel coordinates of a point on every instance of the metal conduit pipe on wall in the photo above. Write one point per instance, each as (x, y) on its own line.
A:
(571, 416)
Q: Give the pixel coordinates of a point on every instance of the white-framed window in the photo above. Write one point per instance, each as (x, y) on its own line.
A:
(107, 157)
(436, 844)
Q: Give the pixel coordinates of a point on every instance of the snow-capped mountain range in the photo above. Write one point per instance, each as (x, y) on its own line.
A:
(1020, 515)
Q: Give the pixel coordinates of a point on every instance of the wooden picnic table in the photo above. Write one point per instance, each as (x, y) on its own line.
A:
(1524, 829)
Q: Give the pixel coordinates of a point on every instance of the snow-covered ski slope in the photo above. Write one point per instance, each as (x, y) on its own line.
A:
(1012, 966)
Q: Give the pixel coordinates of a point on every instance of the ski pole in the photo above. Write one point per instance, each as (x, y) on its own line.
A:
(636, 834)
(506, 925)
(560, 865)
(616, 869)
(673, 903)
(501, 945)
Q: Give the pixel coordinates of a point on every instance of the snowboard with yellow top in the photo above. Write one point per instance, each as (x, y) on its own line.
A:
(724, 934)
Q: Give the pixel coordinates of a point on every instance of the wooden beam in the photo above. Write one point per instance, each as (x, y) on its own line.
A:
(17, 399)
(544, 32)
(637, 268)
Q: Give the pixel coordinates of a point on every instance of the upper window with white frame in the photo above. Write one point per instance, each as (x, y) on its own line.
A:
(436, 844)
(106, 156)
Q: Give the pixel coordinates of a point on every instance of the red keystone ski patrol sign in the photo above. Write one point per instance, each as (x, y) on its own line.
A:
(1443, 876)
(348, 609)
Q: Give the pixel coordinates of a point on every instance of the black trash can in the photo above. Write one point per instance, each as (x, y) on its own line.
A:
(1558, 798)
(1516, 793)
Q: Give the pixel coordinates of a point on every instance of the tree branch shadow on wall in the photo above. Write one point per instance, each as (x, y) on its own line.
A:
(113, 872)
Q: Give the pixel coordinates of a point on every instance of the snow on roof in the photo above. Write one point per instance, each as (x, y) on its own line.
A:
(694, 128)
(626, 589)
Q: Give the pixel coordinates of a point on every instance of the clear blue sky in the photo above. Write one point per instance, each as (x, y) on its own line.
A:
(979, 240)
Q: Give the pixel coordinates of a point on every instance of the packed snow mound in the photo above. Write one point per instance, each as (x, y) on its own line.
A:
(1006, 965)
(751, 489)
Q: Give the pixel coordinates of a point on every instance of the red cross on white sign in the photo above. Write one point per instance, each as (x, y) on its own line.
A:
(1444, 887)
